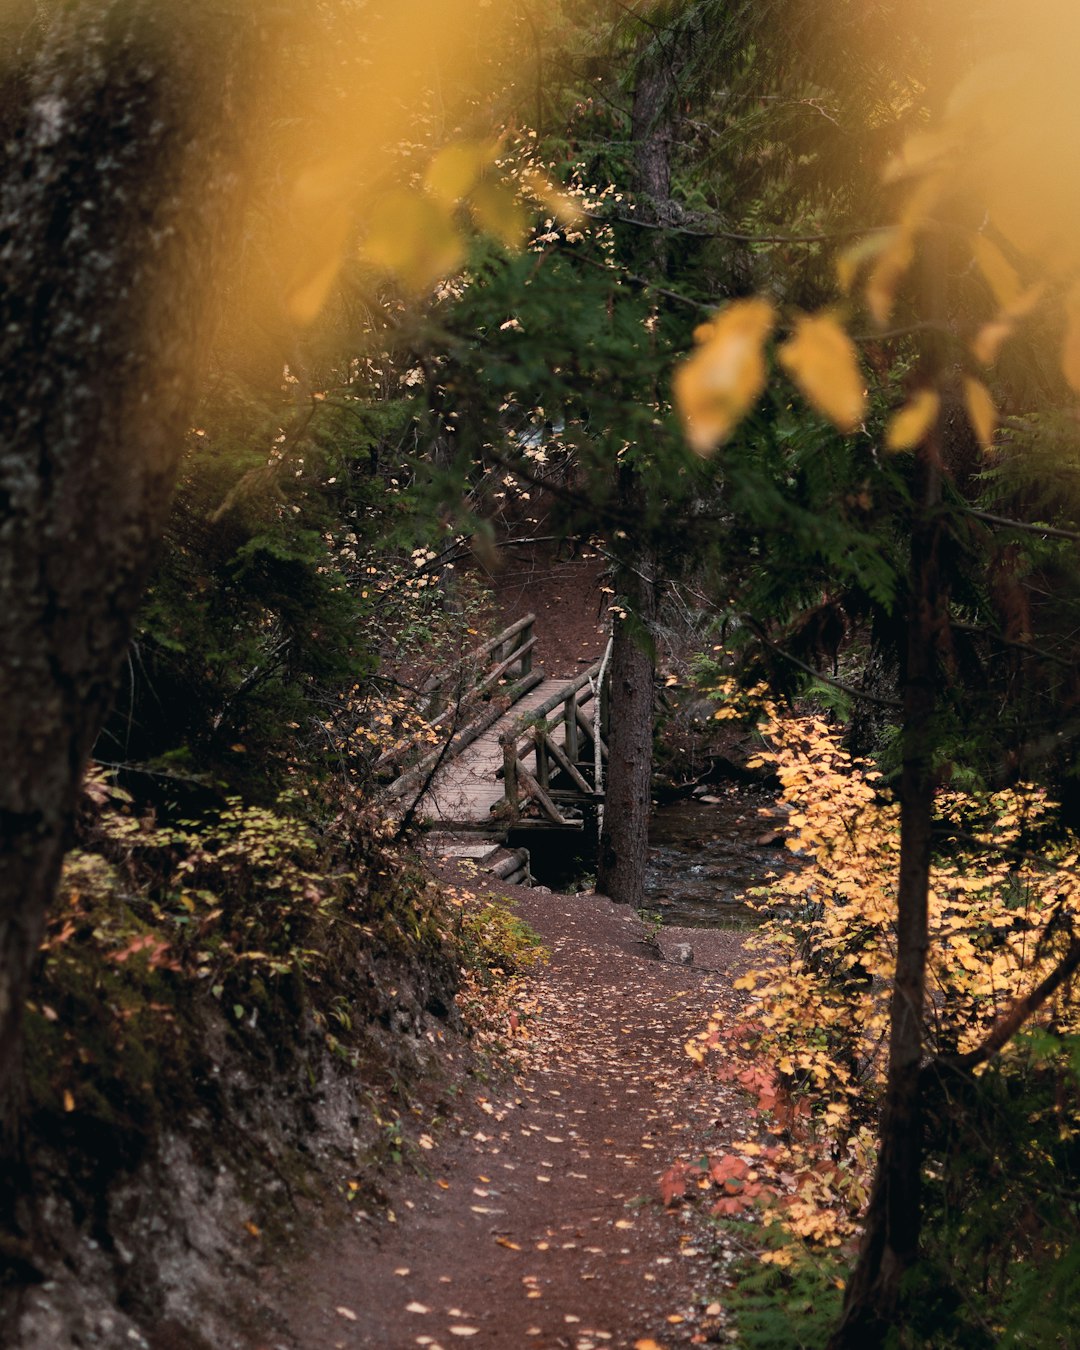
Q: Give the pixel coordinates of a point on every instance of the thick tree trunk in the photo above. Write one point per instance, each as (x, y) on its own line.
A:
(119, 183)
(624, 838)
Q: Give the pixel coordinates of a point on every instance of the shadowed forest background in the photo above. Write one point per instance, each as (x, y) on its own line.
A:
(763, 319)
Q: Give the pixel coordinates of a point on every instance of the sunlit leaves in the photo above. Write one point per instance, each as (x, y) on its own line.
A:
(821, 359)
(909, 427)
(722, 380)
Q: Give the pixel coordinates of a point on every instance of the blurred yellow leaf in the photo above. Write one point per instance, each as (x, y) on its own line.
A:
(720, 382)
(922, 151)
(498, 212)
(455, 170)
(412, 235)
(324, 254)
(887, 273)
(989, 339)
(896, 257)
(69, 1101)
(821, 359)
(998, 271)
(864, 250)
(909, 426)
(980, 410)
(1070, 347)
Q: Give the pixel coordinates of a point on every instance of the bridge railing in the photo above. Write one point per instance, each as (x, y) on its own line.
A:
(561, 739)
(462, 694)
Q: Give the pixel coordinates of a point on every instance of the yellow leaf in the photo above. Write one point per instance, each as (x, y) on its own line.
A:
(720, 382)
(1070, 348)
(920, 152)
(989, 340)
(909, 426)
(497, 212)
(454, 171)
(821, 359)
(69, 1101)
(324, 254)
(414, 236)
(980, 409)
(648, 1344)
(885, 276)
(849, 262)
(998, 271)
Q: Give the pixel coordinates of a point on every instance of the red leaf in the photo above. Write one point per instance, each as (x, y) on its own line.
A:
(673, 1183)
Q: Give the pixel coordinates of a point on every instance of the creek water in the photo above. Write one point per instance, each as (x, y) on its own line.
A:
(703, 857)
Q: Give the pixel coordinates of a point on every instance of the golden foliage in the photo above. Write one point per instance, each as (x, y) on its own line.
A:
(722, 380)
(980, 410)
(909, 427)
(821, 359)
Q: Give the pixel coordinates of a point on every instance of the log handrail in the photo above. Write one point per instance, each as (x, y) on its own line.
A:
(474, 657)
(562, 695)
(531, 734)
(483, 683)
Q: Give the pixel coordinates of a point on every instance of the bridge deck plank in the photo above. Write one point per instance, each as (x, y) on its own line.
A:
(466, 788)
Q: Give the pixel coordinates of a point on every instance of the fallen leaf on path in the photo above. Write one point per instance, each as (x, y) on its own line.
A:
(510, 1246)
(415, 1308)
(346, 1313)
(464, 1331)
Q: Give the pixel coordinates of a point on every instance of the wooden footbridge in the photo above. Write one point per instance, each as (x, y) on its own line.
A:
(528, 752)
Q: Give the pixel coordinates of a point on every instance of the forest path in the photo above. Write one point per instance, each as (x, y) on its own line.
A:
(535, 1218)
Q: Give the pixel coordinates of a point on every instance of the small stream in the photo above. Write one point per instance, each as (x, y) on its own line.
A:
(703, 856)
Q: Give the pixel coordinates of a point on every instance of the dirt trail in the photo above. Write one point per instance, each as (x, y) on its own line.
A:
(538, 1221)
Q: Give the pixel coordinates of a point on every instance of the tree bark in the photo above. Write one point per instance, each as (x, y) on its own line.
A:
(119, 185)
(894, 1215)
(624, 839)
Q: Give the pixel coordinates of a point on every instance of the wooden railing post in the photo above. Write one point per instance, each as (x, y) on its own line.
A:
(510, 777)
(543, 776)
(570, 723)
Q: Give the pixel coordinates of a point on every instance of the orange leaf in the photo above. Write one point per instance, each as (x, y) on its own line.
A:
(721, 381)
(980, 410)
(673, 1183)
(821, 359)
(910, 425)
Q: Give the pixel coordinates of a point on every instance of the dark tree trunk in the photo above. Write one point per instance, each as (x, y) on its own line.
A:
(624, 838)
(119, 183)
(894, 1216)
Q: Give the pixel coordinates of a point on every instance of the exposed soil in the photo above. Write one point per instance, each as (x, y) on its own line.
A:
(563, 592)
(534, 1216)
